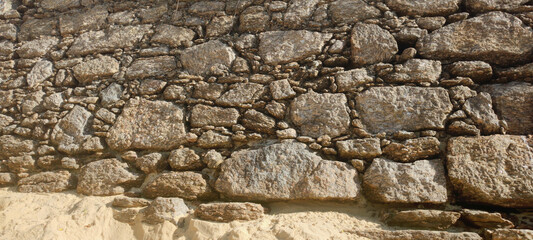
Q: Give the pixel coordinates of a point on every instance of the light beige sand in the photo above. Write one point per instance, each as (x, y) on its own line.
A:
(70, 216)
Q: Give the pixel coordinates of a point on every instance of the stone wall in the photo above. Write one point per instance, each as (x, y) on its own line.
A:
(417, 105)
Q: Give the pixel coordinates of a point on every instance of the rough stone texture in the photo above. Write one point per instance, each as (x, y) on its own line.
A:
(92, 19)
(185, 159)
(164, 209)
(351, 11)
(59, 5)
(36, 48)
(491, 5)
(281, 89)
(417, 235)
(258, 121)
(479, 108)
(480, 38)
(432, 219)
(359, 148)
(371, 44)
(151, 67)
(203, 115)
(279, 47)
(227, 212)
(36, 27)
(15, 145)
(72, 130)
(511, 234)
(493, 170)
(7, 179)
(241, 93)
(152, 162)
(41, 71)
(424, 7)
(187, 185)
(129, 202)
(212, 139)
(284, 171)
(298, 12)
(319, 114)
(513, 102)
(423, 181)
(415, 71)
(350, 80)
(144, 124)
(206, 58)
(172, 35)
(390, 109)
(485, 219)
(91, 70)
(105, 177)
(522, 73)
(478, 71)
(47, 182)
(111, 94)
(413, 149)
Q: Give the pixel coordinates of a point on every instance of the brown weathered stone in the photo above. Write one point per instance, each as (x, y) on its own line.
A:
(203, 115)
(415, 71)
(417, 235)
(432, 219)
(241, 93)
(185, 159)
(227, 212)
(151, 67)
(424, 7)
(104, 66)
(172, 35)
(71, 131)
(152, 162)
(511, 234)
(367, 148)
(164, 209)
(478, 71)
(206, 58)
(105, 177)
(352, 79)
(485, 219)
(47, 182)
(371, 44)
(491, 5)
(187, 185)
(479, 108)
(278, 47)
(413, 149)
(258, 121)
(129, 202)
(351, 11)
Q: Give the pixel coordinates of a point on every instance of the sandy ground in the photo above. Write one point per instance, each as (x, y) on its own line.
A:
(71, 216)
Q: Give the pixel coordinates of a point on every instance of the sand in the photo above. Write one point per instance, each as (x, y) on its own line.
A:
(72, 216)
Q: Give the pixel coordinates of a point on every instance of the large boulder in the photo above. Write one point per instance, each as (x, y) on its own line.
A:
(279, 47)
(106, 177)
(389, 109)
(481, 38)
(318, 114)
(286, 171)
(493, 170)
(423, 181)
(146, 124)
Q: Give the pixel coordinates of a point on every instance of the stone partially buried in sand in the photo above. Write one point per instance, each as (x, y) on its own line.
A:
(286, 171)
(188, 185)
(227, 212)
(145, 124)
(105, 177)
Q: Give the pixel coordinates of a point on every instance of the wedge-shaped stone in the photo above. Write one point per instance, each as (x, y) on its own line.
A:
(318, 114)
(284, 171)
(144, 124)
(492, 170)
(105, 177)
(481, 38)
(278, 47)
(423, 181)
(206, 58)
(390, 109)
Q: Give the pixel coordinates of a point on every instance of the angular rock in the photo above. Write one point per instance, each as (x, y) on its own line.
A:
(111, 94)
(212, 139)
(203, 115)
(390, 109)
(478, 71)
(185, 159)
(14, 146)
(7, 179)
(423, 181)
(241, 93)
(47, 182)
(227, 212)
(413, 149)
(6, 49)
(424, 8)
(187, 185)
(107, 41)
(152, 162)
(522, 73)
(319, 114)
(41, 71)
(172, 36)
(105, 177)
(209, 91)
(351, 11)
(151, 67)
(350, 80)
(281, 89)
(298, 12)
(144, 124)
(206, 8)
(459, 128)
(479, 108)
(164, 209)
(213, 159)
(484, 219)
(514, 103)
(206, 58)
(491, 5)
(366, 148)
(286, 171)
(511, 234)
(60, 5)
(8, 31)
(129, 202)
(151, 86)
(432, 219)
(36, 27)
(415, 71)
(72, 130)
(104, 66)
(371, 44)
(474, 38)
(21, 164)
(37, 48)
(254, 19)
(417, 235)
(258, 121)
(279, 47)
(127, 215)
(492, 170)
(220, 26)
(93, 18)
